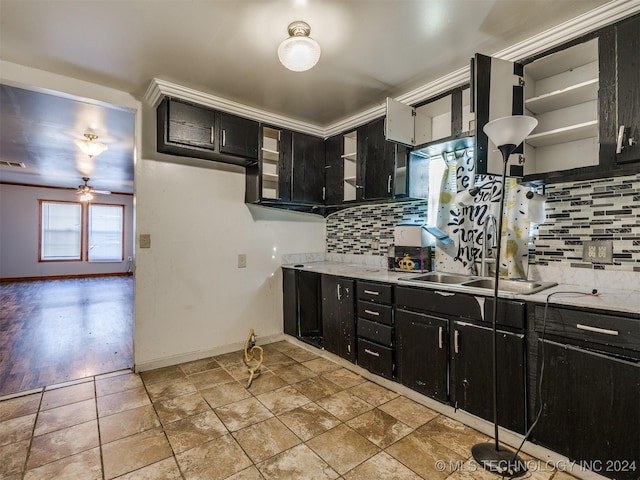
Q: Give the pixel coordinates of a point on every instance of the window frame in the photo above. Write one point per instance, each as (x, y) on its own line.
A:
(88, 232)
(41, 204)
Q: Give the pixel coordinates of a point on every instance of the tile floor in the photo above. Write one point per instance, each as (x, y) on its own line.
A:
(304, 417)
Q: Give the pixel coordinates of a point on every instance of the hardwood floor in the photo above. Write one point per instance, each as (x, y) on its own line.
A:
(53, 331)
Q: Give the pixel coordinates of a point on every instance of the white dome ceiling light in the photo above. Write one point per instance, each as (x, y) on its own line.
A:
(90, 146)
(299, 52)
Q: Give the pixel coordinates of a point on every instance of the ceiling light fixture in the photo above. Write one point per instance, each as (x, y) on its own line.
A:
(299, 52)
(90, 146)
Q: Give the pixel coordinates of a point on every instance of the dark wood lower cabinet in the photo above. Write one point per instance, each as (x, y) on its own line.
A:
(290, 301)
(472, 374)
(591, 409)
(422, 353)
(309, 308)
(338, 316)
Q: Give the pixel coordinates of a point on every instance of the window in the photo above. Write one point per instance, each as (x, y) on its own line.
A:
(66, 226)
(60, 231)
(105, 233)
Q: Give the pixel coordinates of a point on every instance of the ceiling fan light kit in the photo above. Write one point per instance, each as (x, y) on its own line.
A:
(299, 52)
(90, 146)
(86, 191)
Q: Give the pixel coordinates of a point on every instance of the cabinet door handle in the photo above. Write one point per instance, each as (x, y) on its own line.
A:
(440, 330)
(371, 352)
(211, 136)
(371, 312)
(338, 291)
(589, 328)
(444, 294)
(389, 184)
(224, 138)
(421, 383)
(371, 292)
(455, 341)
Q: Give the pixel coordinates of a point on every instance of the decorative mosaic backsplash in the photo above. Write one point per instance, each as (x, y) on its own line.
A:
(607, 209)
(358, 230)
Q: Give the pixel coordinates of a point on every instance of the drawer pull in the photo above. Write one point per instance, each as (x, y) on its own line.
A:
(211, 137)
(455, 341)
(371, 292)
(339, 291)
(371, 312)
(440, 338)
(589, 328)
(371, 352)
(444, 294)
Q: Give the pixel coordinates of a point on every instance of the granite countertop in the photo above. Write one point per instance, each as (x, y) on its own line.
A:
(609, 299)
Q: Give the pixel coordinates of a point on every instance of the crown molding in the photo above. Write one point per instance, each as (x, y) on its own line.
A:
(600, 17)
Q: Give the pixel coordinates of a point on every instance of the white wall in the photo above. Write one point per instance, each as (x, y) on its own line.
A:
(191, 299)
(19, 224)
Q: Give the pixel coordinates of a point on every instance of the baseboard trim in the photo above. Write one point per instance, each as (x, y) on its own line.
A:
(64, 277)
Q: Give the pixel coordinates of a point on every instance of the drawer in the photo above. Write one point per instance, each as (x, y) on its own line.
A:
(375, 312)
(510, 313)
(439, 301)
(375, 358)
(374, 292)
(377, 332)
(597, 328)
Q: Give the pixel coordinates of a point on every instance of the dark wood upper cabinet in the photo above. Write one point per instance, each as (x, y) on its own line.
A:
(196, 131)
(308, 169)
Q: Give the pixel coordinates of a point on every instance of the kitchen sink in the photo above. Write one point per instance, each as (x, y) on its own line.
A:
(524, 287)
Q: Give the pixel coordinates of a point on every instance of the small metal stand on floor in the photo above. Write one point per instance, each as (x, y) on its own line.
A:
(252, 353)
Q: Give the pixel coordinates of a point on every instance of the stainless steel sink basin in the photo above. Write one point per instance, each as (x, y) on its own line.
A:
(524, 287)
(438, 277)
(513, 286)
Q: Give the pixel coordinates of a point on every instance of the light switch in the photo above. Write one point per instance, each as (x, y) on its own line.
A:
(242, 260)
(145, 240)
(598, 251)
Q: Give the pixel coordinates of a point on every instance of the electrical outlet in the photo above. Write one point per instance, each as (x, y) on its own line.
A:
(598, 251)
(145, 240)
(375, 245)
(129, 259)
(242, 260)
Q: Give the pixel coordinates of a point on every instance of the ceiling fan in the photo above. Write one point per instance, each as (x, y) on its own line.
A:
(86, 191)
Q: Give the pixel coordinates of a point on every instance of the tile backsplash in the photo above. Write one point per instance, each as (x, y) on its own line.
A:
(607, 209)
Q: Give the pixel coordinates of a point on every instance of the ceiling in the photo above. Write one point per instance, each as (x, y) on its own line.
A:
(371, 49)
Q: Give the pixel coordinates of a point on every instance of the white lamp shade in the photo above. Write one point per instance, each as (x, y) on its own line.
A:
(536, 209)
(510, 130)
(299, 53)
(91, 147)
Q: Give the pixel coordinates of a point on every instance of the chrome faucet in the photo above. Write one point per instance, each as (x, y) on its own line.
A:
(489, 222)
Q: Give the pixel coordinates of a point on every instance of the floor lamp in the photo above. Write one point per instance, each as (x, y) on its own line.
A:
(507, 133)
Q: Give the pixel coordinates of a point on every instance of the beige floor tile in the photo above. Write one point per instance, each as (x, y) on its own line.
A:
(276, 360)
(118, 383)
(231, 358)
(19, 406)
(16, 429)
(210, 378)
(166, 469)
(121, 401)
(344, 378)
(198, 366)
(379, 427)
(12, 458)
(373, 393)
(316, 388)
(65, 416)
(81, 466)
(193, 431)
(240, 372)
(217, 459)
(162, 375)
(66, 395)
(134, 452)
(300, 354)
(342, 448)
(381, 467)
(281, 345)
(283, 399)
(170, 389)
(250, 473)
(321, 365)
(63, 443)
(225, 394)
(422, 454)
(127, 423)
(344, 405)
(242, 414)
(408, 411)
(309, 421)
(265, 382)
(294, 373)
(265, 439)
(173, 409)
(453, 435)
(295, 464)
(468, 470)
